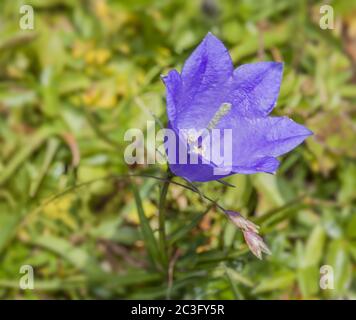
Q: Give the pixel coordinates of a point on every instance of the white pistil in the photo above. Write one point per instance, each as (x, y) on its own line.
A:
(223, 110)
(192, 139)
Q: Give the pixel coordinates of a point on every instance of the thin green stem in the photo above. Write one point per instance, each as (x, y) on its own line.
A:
(162, 220)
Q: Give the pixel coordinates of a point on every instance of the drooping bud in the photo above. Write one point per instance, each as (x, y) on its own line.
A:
(241, 222)
(256, 244)
(250, 232)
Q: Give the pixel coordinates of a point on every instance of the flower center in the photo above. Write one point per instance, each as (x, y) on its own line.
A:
(199, 150)
(193, 140)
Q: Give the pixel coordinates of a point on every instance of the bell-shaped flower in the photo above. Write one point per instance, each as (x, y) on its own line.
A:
(209, 94)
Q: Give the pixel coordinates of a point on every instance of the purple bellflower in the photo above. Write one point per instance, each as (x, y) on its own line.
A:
(210, 94)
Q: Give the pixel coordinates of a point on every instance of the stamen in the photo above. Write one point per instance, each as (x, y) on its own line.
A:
(199, 150)
(223, 110)
(193, 139)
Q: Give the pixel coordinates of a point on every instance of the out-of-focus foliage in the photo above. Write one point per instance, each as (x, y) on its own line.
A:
(70, 88)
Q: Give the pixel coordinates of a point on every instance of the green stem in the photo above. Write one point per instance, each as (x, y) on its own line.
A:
(162, 220)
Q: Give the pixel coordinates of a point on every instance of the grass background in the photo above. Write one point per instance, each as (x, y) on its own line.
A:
(70, 88)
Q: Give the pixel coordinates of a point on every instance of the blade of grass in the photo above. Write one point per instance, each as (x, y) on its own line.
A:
(78, 257)
(181, 232)
(52, 147)
(146, 229)
(20, 157)
(132, 277)
(162, 224)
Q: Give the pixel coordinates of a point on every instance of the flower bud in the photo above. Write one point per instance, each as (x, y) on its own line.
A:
(256, 244)
(241, 222)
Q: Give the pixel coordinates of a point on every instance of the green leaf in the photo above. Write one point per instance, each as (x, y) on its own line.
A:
(279, 281)
(238, 277)
(308, 280)
(309, 261)
(339, 260)
(76, 256)
(147, 232)
(52, 147)
(314, 247)
(351, 227)
(185, 229)
(21, 156)
(8, 226)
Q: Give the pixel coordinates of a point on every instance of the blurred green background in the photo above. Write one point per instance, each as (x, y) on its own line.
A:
(87, 72)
